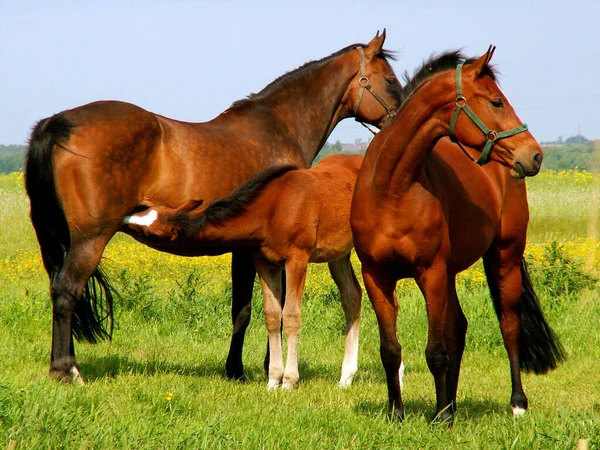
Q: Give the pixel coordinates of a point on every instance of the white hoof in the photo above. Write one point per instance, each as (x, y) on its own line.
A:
(517, 412)
(76, 376)
(273, 385)
(288, 386)
(346, 382)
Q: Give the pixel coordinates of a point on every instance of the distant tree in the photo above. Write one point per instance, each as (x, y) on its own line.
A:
(578, 139)
(568, 156)
(11, 162)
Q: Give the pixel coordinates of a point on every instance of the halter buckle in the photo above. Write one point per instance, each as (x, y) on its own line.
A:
(460, 101)
(492, 135)
(363, 82)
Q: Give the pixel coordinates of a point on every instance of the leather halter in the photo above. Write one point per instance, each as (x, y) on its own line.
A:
(491, 135)
(364, 83)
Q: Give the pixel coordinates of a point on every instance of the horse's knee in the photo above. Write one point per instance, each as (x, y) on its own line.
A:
(291, 319)
(437, 360)
(63, 300)
(391, 356)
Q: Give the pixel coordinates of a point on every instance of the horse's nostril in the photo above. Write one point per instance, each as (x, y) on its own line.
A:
(538, 158)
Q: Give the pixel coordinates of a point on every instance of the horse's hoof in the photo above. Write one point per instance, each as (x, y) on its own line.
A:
(76, 376)
(235, 373)
(72, 376)
(396, 415)
(272, 385)
(446, 417)
(518, 412)
(346, 382)
(288, 386)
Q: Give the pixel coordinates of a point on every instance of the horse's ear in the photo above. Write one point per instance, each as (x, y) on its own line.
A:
(478, 65)
(376, 45)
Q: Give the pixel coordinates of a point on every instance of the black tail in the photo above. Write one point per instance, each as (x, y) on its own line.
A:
(96, 304)
(227, 207)
(539, 348)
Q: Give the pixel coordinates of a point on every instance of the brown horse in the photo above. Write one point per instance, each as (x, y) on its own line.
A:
(287, 218)
(89, 167)
(422, 209)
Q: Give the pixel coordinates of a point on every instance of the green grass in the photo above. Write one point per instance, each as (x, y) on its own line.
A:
(160, 383)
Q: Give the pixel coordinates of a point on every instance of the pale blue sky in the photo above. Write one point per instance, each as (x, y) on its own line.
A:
(191, 59)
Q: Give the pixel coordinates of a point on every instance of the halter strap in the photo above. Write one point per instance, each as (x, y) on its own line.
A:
(491, 135)
(364, 83)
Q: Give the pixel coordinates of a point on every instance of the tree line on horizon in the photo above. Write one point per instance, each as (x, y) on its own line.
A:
(567, 156)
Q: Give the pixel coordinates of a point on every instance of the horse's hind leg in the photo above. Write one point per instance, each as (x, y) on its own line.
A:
(242, 274)
(351, 297)
(66, 290)
(505, 283)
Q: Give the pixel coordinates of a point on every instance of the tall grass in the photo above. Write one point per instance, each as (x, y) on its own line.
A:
(160, 383)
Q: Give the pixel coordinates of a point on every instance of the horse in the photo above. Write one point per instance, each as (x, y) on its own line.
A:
(287, 217)
(422, 209)
(89, 167)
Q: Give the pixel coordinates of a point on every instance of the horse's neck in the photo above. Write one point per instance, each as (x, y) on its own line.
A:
(302, 111)
(406, 145)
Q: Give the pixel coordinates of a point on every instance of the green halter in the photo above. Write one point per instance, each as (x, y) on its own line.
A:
(491, 135)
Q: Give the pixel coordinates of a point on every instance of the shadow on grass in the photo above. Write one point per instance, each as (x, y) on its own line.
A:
(467, 409)
(110, 366)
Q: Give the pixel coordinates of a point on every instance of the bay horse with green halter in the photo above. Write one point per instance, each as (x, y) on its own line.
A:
(89, 167)
(288, 218)
(423, 209)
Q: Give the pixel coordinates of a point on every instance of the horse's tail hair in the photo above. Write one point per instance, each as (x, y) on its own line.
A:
(96, 304)
(540, 349)
(228, 207)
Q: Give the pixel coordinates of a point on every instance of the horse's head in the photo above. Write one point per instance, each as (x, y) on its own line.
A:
(489, 121)
(373, 94)
(157, 222)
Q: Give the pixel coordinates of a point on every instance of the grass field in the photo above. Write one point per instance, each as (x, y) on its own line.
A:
(160, 383)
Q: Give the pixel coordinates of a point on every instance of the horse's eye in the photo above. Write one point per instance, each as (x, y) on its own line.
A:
(497, 103)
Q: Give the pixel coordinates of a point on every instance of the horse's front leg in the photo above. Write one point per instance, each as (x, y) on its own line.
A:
(242, 275)
(456, 332)
(270, 280)
(433, 284)
(380, 288)
(295, 278)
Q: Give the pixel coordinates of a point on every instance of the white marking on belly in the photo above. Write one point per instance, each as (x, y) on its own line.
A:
(518, 411)
(145, 220)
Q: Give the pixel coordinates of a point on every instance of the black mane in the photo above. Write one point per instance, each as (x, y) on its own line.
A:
(435, 64)
(276, 84)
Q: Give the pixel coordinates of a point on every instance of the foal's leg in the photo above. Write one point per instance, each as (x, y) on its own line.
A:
(380, 288)
(66, 288)
(456, 331)
(503, 272)
(242, 275)
(270, 280)
(351, 297)
(433, 285)
(295, 273)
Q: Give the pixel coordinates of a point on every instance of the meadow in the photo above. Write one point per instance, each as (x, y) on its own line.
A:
(160, 383)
